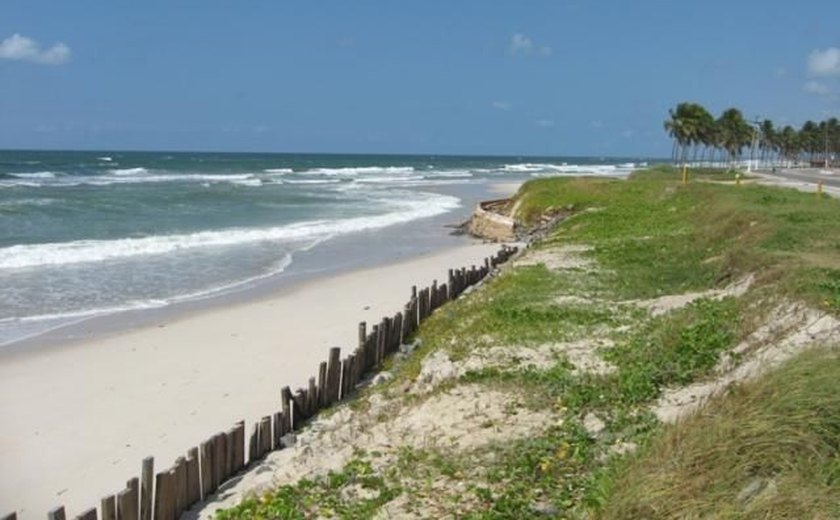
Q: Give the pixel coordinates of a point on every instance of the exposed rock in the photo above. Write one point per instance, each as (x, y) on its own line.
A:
(408, 348)
(544, 508)
(436, 368)
(621, 447)
(382, 377)
(758, 489)
(593, 424)
(288, 440)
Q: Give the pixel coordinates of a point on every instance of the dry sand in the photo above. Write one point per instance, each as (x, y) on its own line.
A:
(78, 419)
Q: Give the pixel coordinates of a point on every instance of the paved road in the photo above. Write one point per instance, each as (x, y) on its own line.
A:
(808, 175)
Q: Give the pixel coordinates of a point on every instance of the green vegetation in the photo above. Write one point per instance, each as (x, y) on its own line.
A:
(697, 133)
(324, 496)
(766, 449)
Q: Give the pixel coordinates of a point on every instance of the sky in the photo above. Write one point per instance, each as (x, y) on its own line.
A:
(498, 77)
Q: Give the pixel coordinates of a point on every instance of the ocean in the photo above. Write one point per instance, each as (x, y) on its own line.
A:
(91, 234)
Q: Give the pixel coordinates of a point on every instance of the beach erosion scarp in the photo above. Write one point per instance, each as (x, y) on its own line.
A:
(79, 418)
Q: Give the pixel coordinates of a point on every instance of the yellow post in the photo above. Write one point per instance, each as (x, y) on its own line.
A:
(737, 179)
(820, 189)
(685, 174)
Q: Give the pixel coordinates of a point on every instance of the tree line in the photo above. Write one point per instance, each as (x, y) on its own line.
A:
(701, 138)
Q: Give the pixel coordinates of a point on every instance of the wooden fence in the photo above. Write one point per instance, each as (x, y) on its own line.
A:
(167, 494)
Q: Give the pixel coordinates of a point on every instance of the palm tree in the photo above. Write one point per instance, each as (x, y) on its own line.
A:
(689, 125)
(767, 139)
(735, 133)
(789, 143)
(696, 132)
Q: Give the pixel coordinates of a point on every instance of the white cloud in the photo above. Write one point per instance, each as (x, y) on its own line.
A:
(502, 105)
(815, 87)
(824, 63)
(596, 124)
(545, 123)
(17, 47)
(521, 44)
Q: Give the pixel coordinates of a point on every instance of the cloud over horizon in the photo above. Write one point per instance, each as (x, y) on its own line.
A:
(824, 63)
(21, 48)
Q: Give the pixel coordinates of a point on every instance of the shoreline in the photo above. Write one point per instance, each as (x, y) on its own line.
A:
(427, 236)
(79, 418)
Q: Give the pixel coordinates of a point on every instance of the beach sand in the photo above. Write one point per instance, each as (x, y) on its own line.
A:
(505, 189)
(77, 419)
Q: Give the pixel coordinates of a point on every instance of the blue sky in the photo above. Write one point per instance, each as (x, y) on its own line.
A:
(447, 77)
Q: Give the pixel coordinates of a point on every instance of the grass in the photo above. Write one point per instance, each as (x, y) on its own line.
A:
(780, 433)
(650, 235)
(658, 236)
(321, 497)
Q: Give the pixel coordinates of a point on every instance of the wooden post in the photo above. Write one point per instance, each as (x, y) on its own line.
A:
(193, 481)
(374, 346)
(345, 365)
(265, 435)
(109, 507)
(133, 484)
(299, 408)
(312, 406)
(163, 495)
(179, 469)
(396, 333)
(147, 474)
(90, 514)
(254, 445)
(362, 334)
(385, 329)
(405, 325)
(356, 374)
(206, 470)
(239, 446)
(322, 385)
(127, 504)
(219, 449)
(333, 375)
(285, 400)
(172, 478)
(57, 513)
(230, 453)
(288, 416)
(279, 420)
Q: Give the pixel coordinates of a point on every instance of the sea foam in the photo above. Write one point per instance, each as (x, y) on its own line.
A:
(87, 251)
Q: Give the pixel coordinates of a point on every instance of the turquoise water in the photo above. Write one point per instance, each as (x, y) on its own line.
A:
(86, 234)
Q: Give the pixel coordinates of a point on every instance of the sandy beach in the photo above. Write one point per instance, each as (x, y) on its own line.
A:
(78, 419)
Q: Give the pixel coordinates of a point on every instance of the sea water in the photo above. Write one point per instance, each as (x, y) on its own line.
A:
(87, 234)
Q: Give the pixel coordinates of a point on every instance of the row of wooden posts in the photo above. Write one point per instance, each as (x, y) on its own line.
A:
(191, 479)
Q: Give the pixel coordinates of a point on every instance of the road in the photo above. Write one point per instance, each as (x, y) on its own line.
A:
(804, 178)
